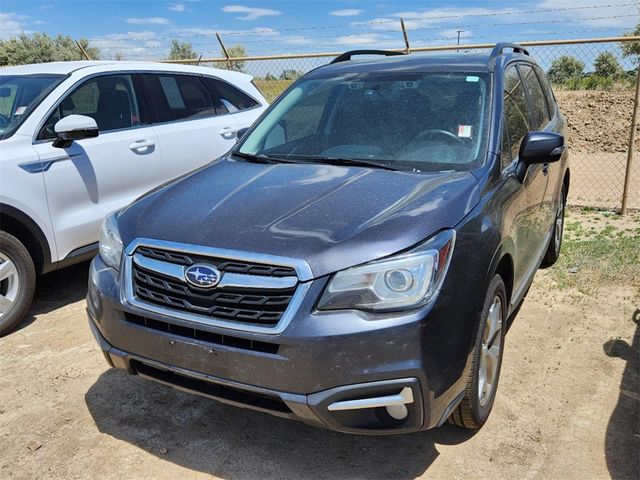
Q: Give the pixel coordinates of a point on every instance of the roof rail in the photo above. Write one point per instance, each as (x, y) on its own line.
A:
(346, 56)
(497, 50)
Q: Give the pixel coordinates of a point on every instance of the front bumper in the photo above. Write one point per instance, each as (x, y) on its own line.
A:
(337, 370)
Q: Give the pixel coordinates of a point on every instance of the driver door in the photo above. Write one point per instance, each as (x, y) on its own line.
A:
(95, 176)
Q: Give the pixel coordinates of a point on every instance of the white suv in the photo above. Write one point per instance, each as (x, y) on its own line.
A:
(79, 140)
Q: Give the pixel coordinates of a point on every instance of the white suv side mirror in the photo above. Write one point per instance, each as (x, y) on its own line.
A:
(74, 127)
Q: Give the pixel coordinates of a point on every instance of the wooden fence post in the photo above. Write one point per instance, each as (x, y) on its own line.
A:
(632, 146)
(84, 52)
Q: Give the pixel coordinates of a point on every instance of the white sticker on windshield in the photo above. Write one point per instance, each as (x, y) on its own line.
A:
(472, 78)
(20, 110)
(464, 131)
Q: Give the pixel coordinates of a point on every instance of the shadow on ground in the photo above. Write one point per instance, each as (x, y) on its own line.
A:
(57, 289)
(622, 444)
(233, 443)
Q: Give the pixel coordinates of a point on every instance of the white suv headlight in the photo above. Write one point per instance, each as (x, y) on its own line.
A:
(110, 242)
(402, 281)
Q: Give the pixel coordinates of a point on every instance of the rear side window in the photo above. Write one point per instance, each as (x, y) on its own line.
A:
(548, 93)
(539, 110)
(516, 113)
(110, 100)
(229, 97)
(177, 97)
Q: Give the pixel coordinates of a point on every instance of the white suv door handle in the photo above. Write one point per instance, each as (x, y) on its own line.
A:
(228, 132)
(141, 145)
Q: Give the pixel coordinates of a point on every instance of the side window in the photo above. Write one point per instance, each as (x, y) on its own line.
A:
(539, 109)
(548, 93)
(516, 113)
(228, 98)
(177, 97)
(110, 100)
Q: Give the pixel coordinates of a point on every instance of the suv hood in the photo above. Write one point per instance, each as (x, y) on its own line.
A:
(332, 217)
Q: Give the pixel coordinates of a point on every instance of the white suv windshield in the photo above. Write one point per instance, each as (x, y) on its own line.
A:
(405, 120)
(19, 95)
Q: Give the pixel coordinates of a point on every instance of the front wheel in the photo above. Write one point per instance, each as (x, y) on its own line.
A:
(17, 282)
(553, 251)
(482, 383)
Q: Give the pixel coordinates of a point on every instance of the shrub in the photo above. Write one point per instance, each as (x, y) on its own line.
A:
(565, 67)
(608, 66)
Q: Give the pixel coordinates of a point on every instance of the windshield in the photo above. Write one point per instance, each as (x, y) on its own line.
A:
(19, 96)
(407, 120)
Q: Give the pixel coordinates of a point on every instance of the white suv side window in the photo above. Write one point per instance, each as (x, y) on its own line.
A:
(110, 100)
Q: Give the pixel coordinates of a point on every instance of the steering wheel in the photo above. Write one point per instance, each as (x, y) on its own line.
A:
(4, 120)
(437, 132)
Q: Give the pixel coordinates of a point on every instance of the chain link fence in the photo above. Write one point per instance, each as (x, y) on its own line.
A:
(594, 84)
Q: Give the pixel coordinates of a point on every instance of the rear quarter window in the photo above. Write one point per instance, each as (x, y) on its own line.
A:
(227, 96)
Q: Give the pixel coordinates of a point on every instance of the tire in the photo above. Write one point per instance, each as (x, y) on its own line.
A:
(475, 407)
(17, 282)
(553, 251)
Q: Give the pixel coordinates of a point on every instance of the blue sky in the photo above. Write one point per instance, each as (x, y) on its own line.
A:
(143, 29)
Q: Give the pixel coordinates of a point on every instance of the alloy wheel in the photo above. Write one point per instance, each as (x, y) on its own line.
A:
(9, 284)
(490, 352)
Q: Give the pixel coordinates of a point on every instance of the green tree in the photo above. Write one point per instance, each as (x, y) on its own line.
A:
(181, 51)
(632, 49)
(236, 51)
(290, 74)
(40, 47)
(608, 66)
(565, 67)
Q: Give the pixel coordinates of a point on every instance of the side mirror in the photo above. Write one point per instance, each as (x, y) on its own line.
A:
(74, 127)
(541, 147)
(240, 133)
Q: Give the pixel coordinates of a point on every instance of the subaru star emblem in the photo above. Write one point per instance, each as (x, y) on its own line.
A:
(202, 276)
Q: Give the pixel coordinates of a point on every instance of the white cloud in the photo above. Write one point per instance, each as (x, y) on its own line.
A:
(360, 39)
(204, 32)
(11, 24)
(251, 12)
(148, 21)
(346, 12)
(133, 45)
(177, 7)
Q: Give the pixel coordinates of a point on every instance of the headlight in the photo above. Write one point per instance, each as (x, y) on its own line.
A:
(110, 242)
(407, 280)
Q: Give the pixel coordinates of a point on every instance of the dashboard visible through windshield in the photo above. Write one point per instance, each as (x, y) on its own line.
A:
(408, 121)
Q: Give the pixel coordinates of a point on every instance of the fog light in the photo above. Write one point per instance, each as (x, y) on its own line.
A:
(397, 412)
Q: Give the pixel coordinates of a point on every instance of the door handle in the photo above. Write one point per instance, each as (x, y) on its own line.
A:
(140, 145)
(228, 132)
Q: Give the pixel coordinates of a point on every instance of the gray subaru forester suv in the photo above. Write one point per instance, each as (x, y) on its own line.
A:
(353, 261)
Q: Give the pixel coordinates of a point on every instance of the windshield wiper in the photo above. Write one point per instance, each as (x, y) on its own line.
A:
(340, 161)
(250, 157)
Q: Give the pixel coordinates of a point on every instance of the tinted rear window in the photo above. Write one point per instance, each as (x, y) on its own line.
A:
(177, 97)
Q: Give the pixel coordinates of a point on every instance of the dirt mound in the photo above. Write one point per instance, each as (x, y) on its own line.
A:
(597, 121)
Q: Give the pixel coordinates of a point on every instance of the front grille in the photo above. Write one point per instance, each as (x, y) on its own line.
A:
(251, 306)
(222, 264)
(203, 335)
(210, 389)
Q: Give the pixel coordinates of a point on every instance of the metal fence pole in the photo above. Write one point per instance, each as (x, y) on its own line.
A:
(404, 36)
(224, 50)
(632, 146)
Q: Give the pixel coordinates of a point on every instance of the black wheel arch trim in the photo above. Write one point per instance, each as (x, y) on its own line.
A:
(36, 233)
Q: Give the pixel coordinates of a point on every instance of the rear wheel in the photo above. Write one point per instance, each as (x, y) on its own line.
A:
(17, 282)
(482, 383)
(553, 252)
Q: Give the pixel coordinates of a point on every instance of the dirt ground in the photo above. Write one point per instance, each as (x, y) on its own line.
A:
(567, 406)
(598, 137)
